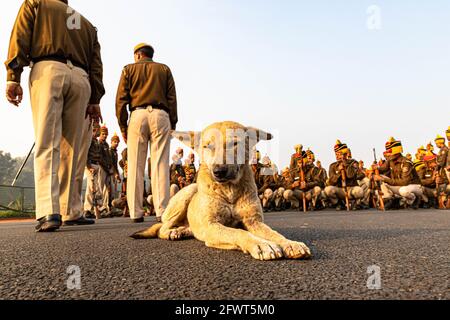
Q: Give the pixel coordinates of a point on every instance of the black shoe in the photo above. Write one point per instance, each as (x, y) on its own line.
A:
(138, 220)
(49, 223)
(340, 206)
(363, 207)
(79, 222)
(389, 204)
(89, 215)
(106, 215)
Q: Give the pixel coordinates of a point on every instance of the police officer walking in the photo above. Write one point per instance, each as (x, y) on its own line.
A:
(148, 89)
(65, 86)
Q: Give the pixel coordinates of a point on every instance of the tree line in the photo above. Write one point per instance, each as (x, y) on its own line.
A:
(9, 167)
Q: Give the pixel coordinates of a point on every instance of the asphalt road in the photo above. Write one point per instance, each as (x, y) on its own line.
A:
(410, 247)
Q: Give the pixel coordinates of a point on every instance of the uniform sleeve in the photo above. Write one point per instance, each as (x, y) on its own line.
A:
(352, 170)
(172, 99)
(96, 75)
(293, 164)
(123, 99)
(20, 42)
(334, 178)
(384, 168)
(442, 158)
(313, 178)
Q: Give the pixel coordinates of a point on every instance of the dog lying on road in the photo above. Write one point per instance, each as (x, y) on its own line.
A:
(223, 209)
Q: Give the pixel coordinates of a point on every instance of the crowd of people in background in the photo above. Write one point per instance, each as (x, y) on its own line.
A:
(396, 181)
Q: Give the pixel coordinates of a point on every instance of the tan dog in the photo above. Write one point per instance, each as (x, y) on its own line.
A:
(223, 209)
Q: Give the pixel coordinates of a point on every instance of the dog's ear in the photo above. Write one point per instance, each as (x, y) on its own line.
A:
(190, 138)
(258, 134)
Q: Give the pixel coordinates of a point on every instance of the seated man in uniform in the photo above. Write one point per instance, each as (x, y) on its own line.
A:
(315, 175)
(343, 179)
(293, 194)
(190, 170)
(177, 173)
(279, 202)
(434, 182)
(266, 183)
(399, 178)
(323, 175)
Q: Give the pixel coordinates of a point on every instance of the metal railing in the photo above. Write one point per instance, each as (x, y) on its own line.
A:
(17, 199)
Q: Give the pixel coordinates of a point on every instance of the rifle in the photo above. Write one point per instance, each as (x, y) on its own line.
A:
(302, 180)
(377, 184)
(439, 194)
(344, 185)
(94, 196)
(301, 174)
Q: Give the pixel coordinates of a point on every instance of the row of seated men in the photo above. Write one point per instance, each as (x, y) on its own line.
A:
(392, 183)
(395, 182)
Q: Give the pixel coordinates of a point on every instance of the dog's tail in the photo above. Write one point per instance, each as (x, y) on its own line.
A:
(150, 233)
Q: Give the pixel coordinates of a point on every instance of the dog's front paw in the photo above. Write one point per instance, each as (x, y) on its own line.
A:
(296, 250)
(265, 251)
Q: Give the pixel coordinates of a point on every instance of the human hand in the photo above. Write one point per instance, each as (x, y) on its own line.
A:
(14, 93)
(94, 113)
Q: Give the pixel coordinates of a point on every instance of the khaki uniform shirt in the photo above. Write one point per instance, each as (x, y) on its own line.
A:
(313, 177)
(401, 172)
(143, 84)
(352, 174)
(295, 158)
(443, 157)
(323, 176)
(41, 30)
(426, 177)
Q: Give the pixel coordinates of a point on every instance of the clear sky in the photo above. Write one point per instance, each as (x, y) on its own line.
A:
(310, 71)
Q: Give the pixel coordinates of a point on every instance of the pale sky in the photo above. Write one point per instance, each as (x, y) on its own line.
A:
(309, 71)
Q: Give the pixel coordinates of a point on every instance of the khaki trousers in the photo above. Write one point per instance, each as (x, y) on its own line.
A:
(93, 190)
(113, 186)
(365, 185)
(408, 193)
(59, 97)
(148, 126)
(337, 193)
(278, 197)
(104, 183)
(266, 197)
(77, 196)
(296, 196)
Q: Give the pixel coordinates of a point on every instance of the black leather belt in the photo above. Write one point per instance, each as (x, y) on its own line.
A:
(146, 107)
(60, 59)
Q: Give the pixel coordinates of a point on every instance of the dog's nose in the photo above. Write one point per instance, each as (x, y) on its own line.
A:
(220, 172)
